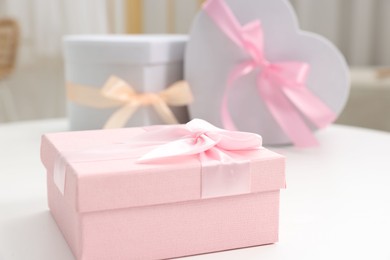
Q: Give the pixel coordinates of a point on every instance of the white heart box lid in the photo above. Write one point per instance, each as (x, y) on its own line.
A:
(211, 55)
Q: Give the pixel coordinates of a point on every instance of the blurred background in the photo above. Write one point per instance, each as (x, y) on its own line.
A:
(31, 70)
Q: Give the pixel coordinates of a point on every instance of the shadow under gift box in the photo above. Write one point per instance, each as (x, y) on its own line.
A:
(119, 209)
(149, 63)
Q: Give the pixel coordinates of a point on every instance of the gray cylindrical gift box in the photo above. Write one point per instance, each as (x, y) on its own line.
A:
(150, 63)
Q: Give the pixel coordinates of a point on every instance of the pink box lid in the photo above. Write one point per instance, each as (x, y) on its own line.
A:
(122, 183)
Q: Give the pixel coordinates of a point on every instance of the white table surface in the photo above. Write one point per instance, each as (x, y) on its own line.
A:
(336, 206)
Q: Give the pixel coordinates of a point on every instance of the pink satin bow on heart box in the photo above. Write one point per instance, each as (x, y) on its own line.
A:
(280, 84)
(225, 169)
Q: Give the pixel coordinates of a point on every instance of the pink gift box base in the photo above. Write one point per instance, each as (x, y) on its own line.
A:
(147, 221)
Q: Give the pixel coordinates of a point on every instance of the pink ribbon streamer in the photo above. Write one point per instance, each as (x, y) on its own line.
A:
(222, 153)
(280, 84)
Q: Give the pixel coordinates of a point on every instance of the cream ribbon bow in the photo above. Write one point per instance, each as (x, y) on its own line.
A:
(118, 93)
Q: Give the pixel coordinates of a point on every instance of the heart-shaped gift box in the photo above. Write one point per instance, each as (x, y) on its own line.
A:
(212, 56)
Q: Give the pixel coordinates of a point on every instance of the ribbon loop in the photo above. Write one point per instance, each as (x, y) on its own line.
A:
(280, 84)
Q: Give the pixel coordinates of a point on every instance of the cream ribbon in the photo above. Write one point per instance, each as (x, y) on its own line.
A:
(118, 93)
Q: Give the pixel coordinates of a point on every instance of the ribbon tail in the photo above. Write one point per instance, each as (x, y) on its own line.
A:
(286, 115)
(165, 113)
(239, 71)
(311, 106)
(120, 117)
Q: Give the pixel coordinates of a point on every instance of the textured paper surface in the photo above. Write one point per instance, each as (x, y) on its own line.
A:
(170, 230)
(114, 183)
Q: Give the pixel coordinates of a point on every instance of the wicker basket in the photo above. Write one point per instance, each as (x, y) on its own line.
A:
(9, 36)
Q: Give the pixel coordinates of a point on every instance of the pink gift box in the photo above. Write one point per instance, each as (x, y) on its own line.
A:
(116, 208)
